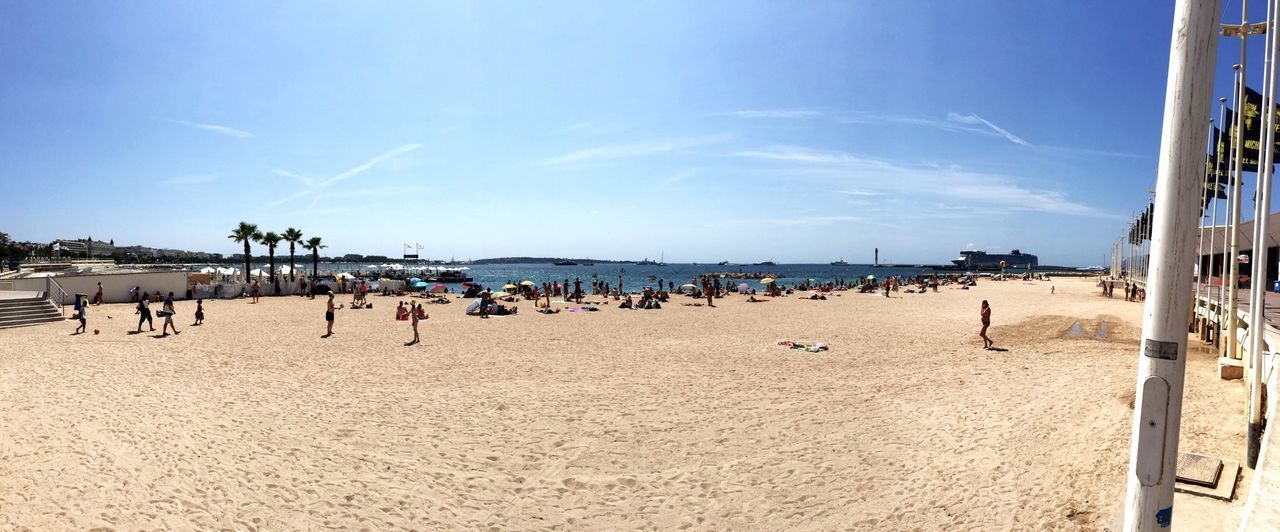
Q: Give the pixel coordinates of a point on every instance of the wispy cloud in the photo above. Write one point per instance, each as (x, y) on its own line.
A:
(873, 175)
(676, 178)
(317, 188)
(190, 179)
(774, 113)
(859, 193)
(224, 130)
(589, 128)
(816, 220)
(633, 149)
(973, 119)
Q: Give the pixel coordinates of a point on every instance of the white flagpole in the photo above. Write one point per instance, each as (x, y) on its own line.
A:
(1262, 215)
(1233, 264)
(1162, 362)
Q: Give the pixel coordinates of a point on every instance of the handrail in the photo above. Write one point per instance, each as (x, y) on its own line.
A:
(54, 292)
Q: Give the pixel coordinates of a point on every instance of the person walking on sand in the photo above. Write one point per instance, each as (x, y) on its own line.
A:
(328, 316)
(83, 315)
(199, 313)
(986, 322)
(255, 290)
(97, 298)
(144, 313)
(168, 316)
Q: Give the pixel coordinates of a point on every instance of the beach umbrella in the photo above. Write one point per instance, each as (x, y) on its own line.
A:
(742, 287)
(344, 275)
(687, 285)
(256, 272)
(766, 280)
(420, 284)
(526, 283)
(509, 287)
(208, 269)
(871, 277)
(438, 289)
(414, 280)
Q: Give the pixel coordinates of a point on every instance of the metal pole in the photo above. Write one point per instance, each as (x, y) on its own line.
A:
(1162, 362)
(1262, 211)
(1233, 264)
(1217, 179)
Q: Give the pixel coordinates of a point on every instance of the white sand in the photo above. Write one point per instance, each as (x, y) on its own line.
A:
(610, 420)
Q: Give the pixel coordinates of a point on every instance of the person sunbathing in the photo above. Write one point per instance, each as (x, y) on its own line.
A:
(753, 299)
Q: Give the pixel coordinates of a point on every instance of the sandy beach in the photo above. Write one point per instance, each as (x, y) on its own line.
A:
(684, 417)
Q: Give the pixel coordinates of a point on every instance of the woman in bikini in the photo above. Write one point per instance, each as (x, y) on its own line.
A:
(986, 322)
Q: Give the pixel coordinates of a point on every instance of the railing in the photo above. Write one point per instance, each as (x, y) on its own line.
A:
(55, 294)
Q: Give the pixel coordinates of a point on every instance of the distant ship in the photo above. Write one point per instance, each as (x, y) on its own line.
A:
(723, 263)
(766, 263)
(565, 263)
(840, 262)
(588, 264)
(978, 260)
(646, 262)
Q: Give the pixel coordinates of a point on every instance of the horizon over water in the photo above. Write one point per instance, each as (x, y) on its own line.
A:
(637, 276)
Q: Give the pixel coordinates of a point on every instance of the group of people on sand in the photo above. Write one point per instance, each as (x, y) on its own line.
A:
(142, 301)
(1130, 290)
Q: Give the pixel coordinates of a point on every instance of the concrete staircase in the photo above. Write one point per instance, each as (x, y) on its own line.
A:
(27, 311)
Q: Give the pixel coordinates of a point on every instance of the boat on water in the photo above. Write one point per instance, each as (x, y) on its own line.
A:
(840, 262)
(981, 260)
(588, 264)
(565, 263)
(446, 274)
(723, 263)
(646, 262)
(766, 263)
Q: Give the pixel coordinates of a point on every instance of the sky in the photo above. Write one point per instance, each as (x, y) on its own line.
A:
(695, 131)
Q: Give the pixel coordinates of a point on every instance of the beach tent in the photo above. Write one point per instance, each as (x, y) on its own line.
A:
(686, 289)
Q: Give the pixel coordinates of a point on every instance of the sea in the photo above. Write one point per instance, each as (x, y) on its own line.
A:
(636, 276)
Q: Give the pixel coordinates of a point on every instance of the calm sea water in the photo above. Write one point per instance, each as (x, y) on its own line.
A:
(637, 277)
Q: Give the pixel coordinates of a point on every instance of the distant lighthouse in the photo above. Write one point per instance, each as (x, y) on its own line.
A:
(877, 257)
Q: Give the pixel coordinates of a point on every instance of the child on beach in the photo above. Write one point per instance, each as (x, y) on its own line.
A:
(986, 322)
(199, 313)
(83, 314)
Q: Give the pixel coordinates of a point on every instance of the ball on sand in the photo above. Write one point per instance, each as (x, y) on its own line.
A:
(95, 331)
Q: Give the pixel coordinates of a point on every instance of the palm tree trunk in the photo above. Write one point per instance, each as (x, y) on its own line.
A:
(293, 275)
(315, 266)
(271, 259)
(246, 259)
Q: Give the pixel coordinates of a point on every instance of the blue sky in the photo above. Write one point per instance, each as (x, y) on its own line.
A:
(741, 131)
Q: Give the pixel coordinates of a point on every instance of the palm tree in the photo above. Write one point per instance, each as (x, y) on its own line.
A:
(272, 240)
(314, 245)
(293, 237)
(246, 233)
